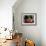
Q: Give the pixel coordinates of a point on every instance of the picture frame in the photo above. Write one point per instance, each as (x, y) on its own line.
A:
(29, 19)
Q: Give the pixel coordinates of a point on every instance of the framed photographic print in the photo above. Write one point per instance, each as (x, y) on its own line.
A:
(29, 19)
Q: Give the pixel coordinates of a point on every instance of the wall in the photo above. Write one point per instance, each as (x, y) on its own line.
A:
(37, 33)
(43, 22)
(6, 13)
(29, 32)
(6, 16)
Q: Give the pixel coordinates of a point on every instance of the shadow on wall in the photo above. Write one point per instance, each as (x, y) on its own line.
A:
(12, 44)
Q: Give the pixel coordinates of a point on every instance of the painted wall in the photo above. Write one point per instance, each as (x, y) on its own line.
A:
(6, 13)
(30, 32)
(43, 22)
(6, 16)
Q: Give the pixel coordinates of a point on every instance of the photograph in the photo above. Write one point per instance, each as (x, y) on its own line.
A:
(29, 19)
